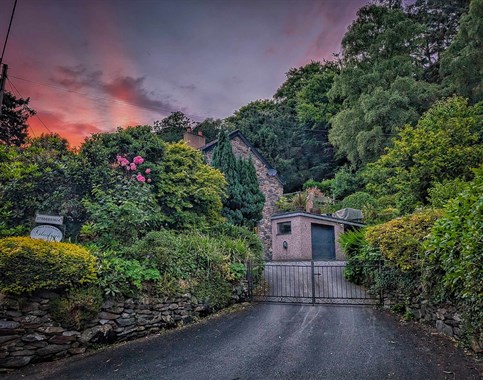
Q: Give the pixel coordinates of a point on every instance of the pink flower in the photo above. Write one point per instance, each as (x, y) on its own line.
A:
(138, 160)
(122, 161)
(149, 180)
(128, 168)
(140, 178)
(147, 171)
(133, 166)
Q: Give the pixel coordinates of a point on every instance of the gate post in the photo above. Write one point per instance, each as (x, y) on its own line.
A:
(249, 278)
(312, 271)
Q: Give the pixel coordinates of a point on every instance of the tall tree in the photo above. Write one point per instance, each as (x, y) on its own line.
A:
(13, 120)
(244, 202)
(252, 198)
(440, 19)
(379, 85)
(462, 63)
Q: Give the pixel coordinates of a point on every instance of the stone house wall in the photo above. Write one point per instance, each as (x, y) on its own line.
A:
(29, 334)
(271, 187)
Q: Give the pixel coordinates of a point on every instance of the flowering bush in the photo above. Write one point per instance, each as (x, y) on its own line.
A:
(132, 166)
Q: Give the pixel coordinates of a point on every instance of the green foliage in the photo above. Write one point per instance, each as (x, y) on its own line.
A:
(172, 128)
(45, 177)
(379, 84)
(118, 276)
(446, 144)
(188, 191)
(462, 63)
(244, 202)
(122, 214)
(211, 128)
(77, 308)
(13, 120)
(196, 263)
(345, 182)
(359, 200)
(27, 265)
(401, 240)
(324, 186)
(454, 247)
(444, 191)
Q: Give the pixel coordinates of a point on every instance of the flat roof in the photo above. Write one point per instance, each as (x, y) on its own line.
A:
(316, 216)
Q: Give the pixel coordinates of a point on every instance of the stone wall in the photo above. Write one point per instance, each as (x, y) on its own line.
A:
(29, 334)
(271, 187)
(447, 319)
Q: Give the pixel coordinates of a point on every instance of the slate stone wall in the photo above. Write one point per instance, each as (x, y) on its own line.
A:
(447, 319)
(29, 334)
(269, 185)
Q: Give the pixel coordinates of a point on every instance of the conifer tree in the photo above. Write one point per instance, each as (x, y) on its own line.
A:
(252, 197)
(244, 202)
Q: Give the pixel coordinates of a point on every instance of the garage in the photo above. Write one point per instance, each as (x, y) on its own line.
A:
(302, 236)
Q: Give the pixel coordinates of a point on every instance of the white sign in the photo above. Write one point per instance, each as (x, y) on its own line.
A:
(50, 219)
(49, 233)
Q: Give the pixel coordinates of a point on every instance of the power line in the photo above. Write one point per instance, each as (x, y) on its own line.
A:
(12, 90)
(38, 117)
(8, 32)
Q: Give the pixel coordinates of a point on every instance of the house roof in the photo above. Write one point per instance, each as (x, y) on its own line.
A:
(238, 133)
(318, 217)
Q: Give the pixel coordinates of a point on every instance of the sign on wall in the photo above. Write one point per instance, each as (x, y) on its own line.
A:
(49, 219)
(45, 232)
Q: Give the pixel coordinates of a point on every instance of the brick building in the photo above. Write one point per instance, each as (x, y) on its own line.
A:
(268, 179)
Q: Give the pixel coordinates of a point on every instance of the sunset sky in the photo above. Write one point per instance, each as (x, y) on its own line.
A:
(93, 65)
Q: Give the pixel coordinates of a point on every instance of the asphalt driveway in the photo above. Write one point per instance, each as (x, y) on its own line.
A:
(274, 341)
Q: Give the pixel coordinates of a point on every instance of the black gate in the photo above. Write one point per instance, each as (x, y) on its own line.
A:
(311, 282)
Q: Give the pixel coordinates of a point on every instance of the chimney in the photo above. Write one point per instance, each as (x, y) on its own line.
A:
(194, 140)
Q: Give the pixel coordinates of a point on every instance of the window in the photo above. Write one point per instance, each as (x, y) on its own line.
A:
(284, 228)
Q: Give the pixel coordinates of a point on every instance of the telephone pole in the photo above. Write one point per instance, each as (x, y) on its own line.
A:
(3, 79)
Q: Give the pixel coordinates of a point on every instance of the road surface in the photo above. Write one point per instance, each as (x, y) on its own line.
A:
(276, 341)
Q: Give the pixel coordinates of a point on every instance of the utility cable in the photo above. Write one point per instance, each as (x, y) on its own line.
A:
(38, 117)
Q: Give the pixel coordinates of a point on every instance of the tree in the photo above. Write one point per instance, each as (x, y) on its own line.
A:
(211, 128)
(446, 144)
(13, 120)
(244, 202)
(252, 198)
(189, 191)
(440, 19)
(225, 161)
(172, 128)
(462, 62)
(380, 84)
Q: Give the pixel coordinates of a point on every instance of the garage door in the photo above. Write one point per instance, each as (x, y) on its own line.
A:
(323, 242)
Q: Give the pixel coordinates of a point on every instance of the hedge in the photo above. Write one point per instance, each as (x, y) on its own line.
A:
(27, 265)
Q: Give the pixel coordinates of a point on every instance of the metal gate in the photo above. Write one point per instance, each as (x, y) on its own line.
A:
(311, 282)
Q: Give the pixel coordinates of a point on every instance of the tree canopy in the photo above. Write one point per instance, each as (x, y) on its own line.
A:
(13, 120)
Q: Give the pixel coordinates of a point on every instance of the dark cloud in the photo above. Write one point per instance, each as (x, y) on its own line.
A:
(125, 88)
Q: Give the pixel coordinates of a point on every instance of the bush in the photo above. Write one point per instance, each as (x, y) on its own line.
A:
(77, 308)
(118, 276)
(401, 240)
(359, 200)
(455, 265)
(27, 265)
(204, 265)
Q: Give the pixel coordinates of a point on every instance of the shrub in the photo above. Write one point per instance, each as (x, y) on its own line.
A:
(77, 308)
(401, 240)
(27, 265)
(205, 265)
(118, 276)
(359, 200)
(444, 191)
(455, 264)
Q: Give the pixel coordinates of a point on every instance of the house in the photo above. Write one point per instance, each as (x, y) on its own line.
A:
(299, 236)
(270, 183)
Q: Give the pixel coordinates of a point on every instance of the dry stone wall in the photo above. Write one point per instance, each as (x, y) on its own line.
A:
(447, 319)
(29, 334)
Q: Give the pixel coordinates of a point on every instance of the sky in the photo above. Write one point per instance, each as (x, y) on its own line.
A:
(90, 66)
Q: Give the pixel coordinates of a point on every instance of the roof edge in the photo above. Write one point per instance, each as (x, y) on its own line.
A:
(316, 216)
